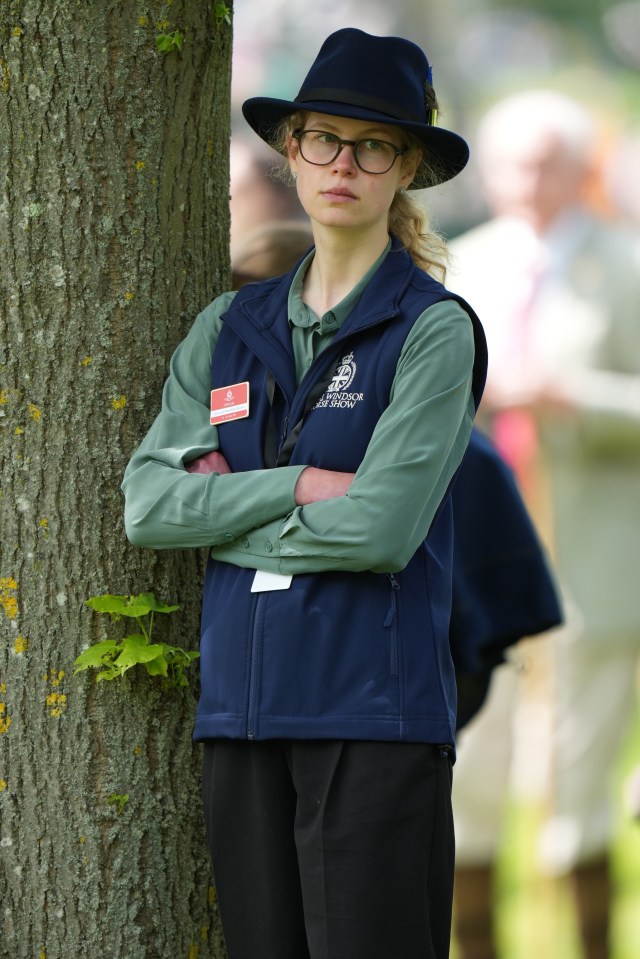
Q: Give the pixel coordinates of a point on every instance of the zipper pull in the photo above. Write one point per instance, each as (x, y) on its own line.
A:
(391, 612)
(283, 437)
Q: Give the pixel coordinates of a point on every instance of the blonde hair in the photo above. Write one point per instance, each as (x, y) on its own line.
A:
(408, 220)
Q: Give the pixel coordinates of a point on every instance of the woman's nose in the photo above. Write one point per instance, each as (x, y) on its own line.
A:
(346, 159)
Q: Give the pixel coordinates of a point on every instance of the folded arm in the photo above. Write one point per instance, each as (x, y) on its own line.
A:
(169, 505)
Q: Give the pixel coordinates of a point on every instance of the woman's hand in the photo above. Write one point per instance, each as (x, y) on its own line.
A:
(316, 484)
(213, 462)
(313, 484)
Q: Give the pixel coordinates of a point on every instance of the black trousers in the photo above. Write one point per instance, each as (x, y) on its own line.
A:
(331, 849)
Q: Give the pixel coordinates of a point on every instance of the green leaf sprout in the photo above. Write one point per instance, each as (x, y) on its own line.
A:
(113, 659)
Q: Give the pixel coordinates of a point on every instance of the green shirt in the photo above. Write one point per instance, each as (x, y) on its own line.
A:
(251, 519)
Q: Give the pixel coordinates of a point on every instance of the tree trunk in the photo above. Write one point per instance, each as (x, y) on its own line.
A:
(113, 235)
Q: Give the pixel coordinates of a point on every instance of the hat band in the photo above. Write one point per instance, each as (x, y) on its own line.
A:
(349, 98)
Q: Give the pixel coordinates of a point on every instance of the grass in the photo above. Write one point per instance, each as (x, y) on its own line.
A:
(534, 914)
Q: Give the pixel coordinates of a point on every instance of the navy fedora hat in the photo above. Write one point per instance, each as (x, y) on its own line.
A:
(382, 79)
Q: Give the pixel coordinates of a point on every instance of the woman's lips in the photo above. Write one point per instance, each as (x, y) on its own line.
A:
(339, 194)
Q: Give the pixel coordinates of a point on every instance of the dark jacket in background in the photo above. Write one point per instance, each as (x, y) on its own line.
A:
(503, 588)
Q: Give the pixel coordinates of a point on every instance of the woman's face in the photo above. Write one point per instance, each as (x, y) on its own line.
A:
(340, 194)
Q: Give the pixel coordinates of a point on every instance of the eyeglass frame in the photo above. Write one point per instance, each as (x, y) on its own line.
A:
(354, 144)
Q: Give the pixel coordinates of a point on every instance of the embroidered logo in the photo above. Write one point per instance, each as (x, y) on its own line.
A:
(343, 377)
(336, 395)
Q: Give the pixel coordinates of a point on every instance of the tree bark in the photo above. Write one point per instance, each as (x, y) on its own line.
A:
(113, 235)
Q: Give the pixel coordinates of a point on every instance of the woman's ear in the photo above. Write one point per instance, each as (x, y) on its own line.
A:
(293, 149)
(410, 164)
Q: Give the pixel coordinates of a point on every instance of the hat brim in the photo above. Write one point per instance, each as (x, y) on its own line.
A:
(446, 153)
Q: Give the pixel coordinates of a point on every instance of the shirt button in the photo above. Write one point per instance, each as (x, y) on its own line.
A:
(229, 536)
(269, 546)
(245, 542)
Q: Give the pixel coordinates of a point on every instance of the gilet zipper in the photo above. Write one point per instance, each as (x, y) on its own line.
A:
(391, 624)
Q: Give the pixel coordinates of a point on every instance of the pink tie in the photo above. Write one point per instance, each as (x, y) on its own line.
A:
(514, 430)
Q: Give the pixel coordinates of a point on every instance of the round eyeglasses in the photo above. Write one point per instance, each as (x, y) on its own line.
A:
(372, 156)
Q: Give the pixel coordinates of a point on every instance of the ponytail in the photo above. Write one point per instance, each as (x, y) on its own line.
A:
(410, 223)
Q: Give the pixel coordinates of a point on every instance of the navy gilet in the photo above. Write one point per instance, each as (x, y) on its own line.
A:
(337, 655)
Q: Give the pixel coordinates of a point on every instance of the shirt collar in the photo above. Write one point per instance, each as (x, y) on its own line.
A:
(302, 315)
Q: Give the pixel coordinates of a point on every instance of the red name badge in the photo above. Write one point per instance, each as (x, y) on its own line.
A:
(229, 403)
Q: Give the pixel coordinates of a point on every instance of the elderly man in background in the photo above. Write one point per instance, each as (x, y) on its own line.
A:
(558, 290)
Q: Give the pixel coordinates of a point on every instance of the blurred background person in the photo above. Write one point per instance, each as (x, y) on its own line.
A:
(558, 290)
(257, 193)
(503, 585)
(270, 249)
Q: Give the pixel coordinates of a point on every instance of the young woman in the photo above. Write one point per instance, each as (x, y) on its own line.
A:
(310, 430)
